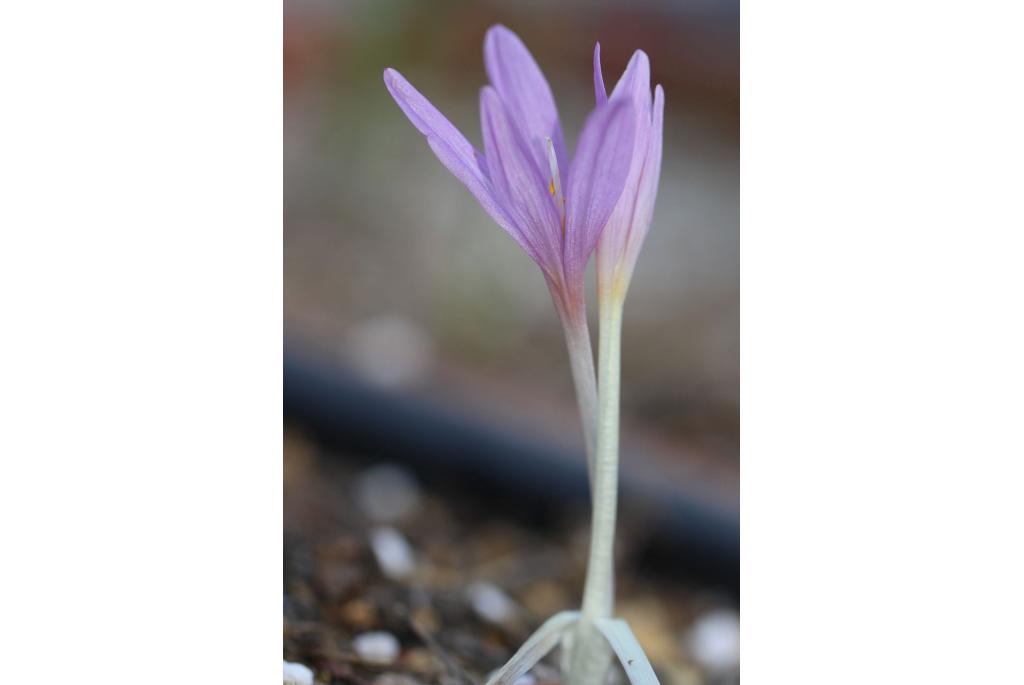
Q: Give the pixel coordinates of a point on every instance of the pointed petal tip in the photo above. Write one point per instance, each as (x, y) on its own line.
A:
(396, 84)
(635, 81)
(489, 95)
(640, 61)
(490, 101)
(639, 54)
(499, 31)
(659, 101)
(500, 38)
(600, 92)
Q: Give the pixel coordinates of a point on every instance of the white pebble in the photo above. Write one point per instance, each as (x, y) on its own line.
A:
(491, 603)
(377, 647)
(714, 640)
(297, 674)
(391, 351)
(386, 493)
(393, 553)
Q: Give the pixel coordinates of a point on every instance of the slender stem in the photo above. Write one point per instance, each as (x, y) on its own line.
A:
(598, 590)
(581, 361)
(571, 306)
(591, 654)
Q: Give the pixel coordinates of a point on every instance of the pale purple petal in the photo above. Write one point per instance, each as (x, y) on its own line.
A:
(636, 82)
(526, 94)
(520, 185)
(635, 87)
(648, 190)
(599, 171)
(450, 146)
(600, 93)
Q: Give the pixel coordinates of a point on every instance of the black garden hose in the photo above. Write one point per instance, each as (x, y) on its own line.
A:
(528, 478)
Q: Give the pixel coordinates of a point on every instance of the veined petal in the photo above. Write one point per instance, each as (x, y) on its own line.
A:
(600, 93)
(634, 86)
(647, 193)
(519, 81)
(599, 170)
(636, 82)
(426, 118)
(520, 185)
(452, 148)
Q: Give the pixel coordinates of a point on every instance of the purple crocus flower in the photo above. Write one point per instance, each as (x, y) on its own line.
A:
(554, 209)
(559, 212)
(629, 222)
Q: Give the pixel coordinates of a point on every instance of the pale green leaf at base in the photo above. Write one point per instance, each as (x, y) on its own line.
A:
(634, 661)
(565, 658)
(535, 648)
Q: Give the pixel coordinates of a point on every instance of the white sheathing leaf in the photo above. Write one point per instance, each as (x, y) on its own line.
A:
(535, 648)
(634, 662)
(565, 659)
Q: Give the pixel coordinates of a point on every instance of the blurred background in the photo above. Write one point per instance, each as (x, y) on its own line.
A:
(435, 495)
(393, 271)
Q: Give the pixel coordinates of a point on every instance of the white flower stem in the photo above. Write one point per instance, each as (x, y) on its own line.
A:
(591, 654)
(581, 361)
(599, 587)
